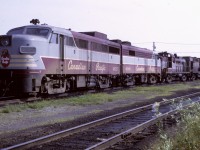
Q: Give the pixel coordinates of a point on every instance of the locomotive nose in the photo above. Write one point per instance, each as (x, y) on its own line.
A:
(24, 44)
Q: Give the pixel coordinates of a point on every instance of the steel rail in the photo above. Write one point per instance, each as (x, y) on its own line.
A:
(119, 137)
(67, 132)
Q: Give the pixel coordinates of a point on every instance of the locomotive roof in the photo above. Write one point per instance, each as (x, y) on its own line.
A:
(52, 28)
(103, 39)
(91, 36)
(58, 29)
(84, 36)
(135, 48)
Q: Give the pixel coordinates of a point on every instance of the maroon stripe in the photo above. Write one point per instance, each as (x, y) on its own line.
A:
(54, 66)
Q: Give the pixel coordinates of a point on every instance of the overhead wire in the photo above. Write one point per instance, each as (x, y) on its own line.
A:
(167, 43)
(159, 44)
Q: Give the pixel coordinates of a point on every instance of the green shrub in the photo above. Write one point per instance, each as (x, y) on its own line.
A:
(188, 135)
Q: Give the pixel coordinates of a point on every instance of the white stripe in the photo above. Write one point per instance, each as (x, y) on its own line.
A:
(22, 60)
(22, 65)
(21, 56)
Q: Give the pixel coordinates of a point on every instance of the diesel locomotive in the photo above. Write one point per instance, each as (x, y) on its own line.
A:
(47, 59)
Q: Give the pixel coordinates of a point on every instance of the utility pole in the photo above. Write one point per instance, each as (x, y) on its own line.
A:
(154, 46)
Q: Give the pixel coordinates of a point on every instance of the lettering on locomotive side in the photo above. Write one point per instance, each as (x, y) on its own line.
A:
(100, 67)
(72, 66)
(140, 69)
(115, 69)
(128, 68)
(5, 60)
(152, 69)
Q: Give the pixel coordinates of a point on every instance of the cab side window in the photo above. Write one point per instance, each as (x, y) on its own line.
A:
(54, 38)
(114, 50)
(69, 41)
(81, 43)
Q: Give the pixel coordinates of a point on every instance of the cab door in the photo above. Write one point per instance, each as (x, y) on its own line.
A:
(62, 54)
(156, 64)
(146, 65)
(89, 61)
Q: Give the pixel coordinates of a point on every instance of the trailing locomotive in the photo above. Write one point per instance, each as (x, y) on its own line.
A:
(178, 68)
(47, 59)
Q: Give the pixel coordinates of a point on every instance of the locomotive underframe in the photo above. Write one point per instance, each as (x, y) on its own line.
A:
(132, 79)
(182, 76)
(12, 82)
(52, 84)
(57, 83)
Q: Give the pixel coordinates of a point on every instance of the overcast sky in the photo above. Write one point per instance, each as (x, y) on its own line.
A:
(174, 25)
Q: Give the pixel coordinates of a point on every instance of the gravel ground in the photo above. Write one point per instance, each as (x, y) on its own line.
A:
(22, 126)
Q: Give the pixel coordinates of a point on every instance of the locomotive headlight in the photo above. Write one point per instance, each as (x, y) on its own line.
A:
(5, 41)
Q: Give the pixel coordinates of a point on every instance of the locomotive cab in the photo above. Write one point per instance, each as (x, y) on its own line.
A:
(192, 66)
(21, 63)
(177, 68)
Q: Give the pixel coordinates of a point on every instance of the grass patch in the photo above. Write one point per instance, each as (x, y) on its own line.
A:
(11, 108)
(187, 137)
(146, 92)
(21, 107)
(5, 110)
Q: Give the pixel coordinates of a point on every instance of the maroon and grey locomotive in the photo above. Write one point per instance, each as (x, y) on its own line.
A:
(47, 59)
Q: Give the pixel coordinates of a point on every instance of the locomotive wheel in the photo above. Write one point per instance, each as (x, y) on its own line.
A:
(67, 86)
(193, 77)
(168, 79)
(152, 79)
(44, 85)
(110, 83)
(183, 78)
(133, 80)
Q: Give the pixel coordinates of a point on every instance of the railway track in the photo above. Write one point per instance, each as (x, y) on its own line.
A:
(17, 100)
(7, 100)
(105, 132)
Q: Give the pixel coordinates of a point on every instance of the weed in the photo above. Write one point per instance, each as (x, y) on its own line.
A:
(5, 110)
(188, 133)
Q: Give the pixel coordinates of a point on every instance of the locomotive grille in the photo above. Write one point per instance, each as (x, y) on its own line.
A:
(27, 50)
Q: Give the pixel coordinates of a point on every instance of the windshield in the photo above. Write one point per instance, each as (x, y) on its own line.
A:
(37, 31)
(30, 31)
(16, 31)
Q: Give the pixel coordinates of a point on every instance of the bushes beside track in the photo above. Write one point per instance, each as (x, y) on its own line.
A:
(186, 136)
